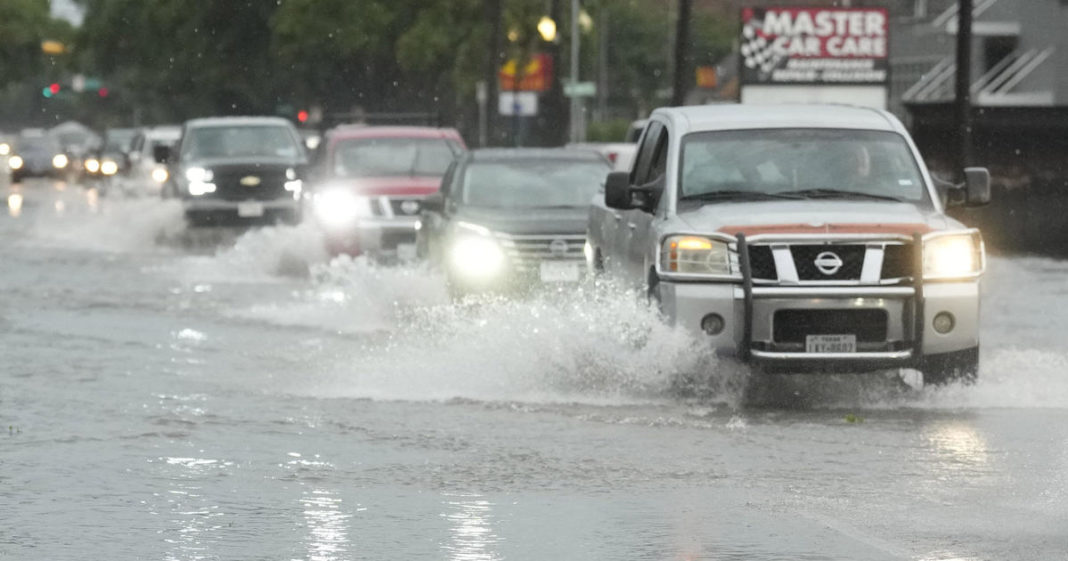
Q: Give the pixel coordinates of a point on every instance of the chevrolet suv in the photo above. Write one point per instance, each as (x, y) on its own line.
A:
(799, 239)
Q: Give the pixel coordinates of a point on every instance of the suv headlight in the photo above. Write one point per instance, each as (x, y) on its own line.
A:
(695, 255)
(953, 256)
(474, 252)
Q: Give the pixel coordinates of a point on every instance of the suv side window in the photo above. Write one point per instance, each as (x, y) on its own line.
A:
(643, 159)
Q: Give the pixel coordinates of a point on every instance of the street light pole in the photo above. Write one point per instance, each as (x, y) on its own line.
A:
(964, 119)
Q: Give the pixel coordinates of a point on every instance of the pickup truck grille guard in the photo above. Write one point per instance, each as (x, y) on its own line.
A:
(912, 285)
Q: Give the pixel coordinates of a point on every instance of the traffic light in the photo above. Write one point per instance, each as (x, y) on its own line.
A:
(302, 116)
(50, 90)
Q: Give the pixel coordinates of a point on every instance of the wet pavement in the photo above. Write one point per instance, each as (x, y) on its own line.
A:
(167, 394)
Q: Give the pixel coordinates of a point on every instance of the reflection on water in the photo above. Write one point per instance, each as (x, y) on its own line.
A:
(472, 536)
(327, 535)
(92, 197)
(14, 204)
(193, 519)
(959, 448)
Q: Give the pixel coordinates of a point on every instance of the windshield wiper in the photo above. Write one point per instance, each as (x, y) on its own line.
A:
(739, 196)
(841, 194)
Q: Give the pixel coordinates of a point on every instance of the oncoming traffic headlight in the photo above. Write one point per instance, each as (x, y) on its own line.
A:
(15, 162)
(953, 256)
(92, 165)
(60, 161)
(695, 255)
(475, 255)
(339, 207)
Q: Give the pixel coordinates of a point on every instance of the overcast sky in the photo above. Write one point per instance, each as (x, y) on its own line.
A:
(67, 10)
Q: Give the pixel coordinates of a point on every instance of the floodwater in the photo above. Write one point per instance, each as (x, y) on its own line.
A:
(180, 395)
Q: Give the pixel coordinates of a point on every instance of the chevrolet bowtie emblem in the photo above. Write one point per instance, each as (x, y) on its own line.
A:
(250, 181)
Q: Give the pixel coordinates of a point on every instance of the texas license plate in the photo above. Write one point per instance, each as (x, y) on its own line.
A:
(249, 210)
(831, 344)
(559, 271)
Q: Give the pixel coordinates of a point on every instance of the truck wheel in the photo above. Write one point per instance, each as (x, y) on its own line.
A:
(960, 366)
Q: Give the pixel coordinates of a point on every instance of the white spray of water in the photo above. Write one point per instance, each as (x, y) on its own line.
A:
(110, 225)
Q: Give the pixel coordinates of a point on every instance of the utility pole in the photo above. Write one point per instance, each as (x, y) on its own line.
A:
(964, 120)
(576, 102)
(493, 64)
(682, 53)
(555, 106)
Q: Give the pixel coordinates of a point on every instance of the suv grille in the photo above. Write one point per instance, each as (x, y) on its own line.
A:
(271, 185)
(526, 252)
(792, 326)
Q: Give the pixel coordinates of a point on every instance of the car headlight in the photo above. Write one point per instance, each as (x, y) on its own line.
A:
(109, 167)
(5, 149)
(695, 255)
(160, 175)
(15, 162)
(199, 175)
(474, 252)
(92, 165)
(341, 207)
(953, 256)
(60, 161)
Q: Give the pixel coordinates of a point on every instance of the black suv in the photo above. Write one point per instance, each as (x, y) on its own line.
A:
(512, 218)
(234, 170)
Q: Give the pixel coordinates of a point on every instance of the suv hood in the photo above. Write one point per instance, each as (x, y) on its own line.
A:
(814, 217)
(527, 221)
(386, 186)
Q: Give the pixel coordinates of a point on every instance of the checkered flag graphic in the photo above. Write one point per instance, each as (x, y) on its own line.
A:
(757, 52)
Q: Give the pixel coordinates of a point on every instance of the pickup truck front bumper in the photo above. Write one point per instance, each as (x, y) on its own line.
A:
(893, 324)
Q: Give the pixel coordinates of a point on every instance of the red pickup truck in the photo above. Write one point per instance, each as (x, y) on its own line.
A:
(369, 183)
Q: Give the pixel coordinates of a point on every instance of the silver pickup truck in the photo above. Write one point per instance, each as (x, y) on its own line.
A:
(800, 238)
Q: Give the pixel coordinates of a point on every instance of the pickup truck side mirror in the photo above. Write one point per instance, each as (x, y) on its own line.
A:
(161, 153)
(617, 192)
(977, 186)
(434, 202)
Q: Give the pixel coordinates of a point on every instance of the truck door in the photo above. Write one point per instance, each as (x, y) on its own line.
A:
(636, 227)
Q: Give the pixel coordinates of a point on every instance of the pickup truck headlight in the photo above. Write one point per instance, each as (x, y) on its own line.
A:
(474, 252)
(695, 255)
(340, 207)
(952, 256)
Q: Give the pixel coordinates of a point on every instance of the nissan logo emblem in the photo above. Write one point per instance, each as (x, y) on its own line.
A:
(409, 207)
(828, 263)
(558, 248)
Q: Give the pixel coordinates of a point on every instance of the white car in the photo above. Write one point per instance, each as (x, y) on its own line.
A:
(798, 238)
(147, 176)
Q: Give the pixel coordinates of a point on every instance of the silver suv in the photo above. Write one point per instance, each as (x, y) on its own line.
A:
(798, 238)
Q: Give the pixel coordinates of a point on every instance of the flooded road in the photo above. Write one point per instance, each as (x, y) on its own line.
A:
(175, 395)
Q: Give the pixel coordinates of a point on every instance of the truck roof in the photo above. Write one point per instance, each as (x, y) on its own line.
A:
(367, 131)
(718, 117)
(236, 121)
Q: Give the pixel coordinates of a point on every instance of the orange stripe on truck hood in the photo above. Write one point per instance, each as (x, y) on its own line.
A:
(753, 230)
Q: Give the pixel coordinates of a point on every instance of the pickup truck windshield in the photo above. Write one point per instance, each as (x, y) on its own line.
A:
(392, 157)
(801, 163)
(533, 183)
(239, 141)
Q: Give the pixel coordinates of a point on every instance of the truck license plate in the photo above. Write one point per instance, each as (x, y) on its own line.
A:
(831, 344)
(249, 210)
(559, 271)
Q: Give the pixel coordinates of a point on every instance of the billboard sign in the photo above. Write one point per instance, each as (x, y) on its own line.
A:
(815, 46)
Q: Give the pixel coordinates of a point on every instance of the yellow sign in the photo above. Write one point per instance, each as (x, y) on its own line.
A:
(51, 47)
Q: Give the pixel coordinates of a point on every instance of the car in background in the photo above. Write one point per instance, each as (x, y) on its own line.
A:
(112, 158)
(800, 238)
(512, 219)
(370, 183)
(237, 170)
(78, 142)
(146, 176)
(35, 153)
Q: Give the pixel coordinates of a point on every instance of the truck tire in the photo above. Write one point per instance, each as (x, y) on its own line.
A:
(960, 366)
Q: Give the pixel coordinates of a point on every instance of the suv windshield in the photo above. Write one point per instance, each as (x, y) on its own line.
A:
(392, 157)
(827, 163)
(533, 183)
(239, 141)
